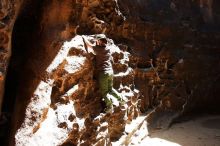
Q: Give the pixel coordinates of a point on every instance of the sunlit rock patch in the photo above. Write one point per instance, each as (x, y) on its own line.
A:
(66, 108)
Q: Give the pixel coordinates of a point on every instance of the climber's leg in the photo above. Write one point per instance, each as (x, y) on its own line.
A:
(110, 88)
(104, 89)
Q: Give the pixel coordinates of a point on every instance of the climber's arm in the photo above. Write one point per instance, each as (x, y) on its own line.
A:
(87, 44)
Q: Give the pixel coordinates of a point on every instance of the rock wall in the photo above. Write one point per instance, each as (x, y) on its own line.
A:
(179, 40)
(8, 14)
(66, 107)
(166, 64)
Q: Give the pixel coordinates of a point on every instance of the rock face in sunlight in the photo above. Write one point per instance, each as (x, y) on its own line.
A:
(65, 108)
(165, 61)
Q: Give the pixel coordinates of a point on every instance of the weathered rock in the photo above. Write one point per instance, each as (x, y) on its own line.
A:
(169, 51)
(8, 13)
(175, 38)
(68, 100)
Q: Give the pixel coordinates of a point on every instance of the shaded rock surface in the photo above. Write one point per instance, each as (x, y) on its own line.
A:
(166, 64)
(8, 13)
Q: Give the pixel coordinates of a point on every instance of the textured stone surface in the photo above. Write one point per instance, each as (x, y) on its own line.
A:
(168, 59)
(9, 10)
(65, 107)
(181, 41)
(8, 14)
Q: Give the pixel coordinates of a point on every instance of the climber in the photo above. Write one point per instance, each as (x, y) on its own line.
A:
(104, 69)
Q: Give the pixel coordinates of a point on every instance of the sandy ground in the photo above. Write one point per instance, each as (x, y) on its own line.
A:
(200, 131)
